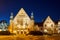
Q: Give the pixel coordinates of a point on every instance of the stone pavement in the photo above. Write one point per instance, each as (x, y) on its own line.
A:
(29, 37)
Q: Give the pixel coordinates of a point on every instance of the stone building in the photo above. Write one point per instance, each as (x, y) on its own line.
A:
(58, 28)
(21, 23)
(49, 25)
(3, 25)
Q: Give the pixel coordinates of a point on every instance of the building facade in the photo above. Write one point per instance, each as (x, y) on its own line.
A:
(48, 25)
(21, 23)
(3, 25)
(58, 28)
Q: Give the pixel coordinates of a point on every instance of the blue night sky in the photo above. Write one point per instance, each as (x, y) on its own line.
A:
(40, 8)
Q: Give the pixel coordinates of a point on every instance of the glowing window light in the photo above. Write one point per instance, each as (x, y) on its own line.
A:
(45, 30)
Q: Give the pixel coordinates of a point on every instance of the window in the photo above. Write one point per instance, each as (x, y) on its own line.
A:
(47, 22)
(51, 25)
(24, 32)
(21, 32)
(45, 25)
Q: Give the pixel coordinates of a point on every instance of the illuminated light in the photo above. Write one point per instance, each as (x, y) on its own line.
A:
(22, 30)
(18, 26)
(58, 22)
(59, 31)
(4, 30)
(0, 30)
(48, 25)
(24, 26)
(45, 30)
(14, 31)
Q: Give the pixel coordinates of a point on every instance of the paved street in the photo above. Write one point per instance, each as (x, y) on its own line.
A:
(29, 37)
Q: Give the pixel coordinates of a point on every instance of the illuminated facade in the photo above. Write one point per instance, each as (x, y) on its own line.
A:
(21, 23)
(3, 25)
(58, 28)
(48, 25)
